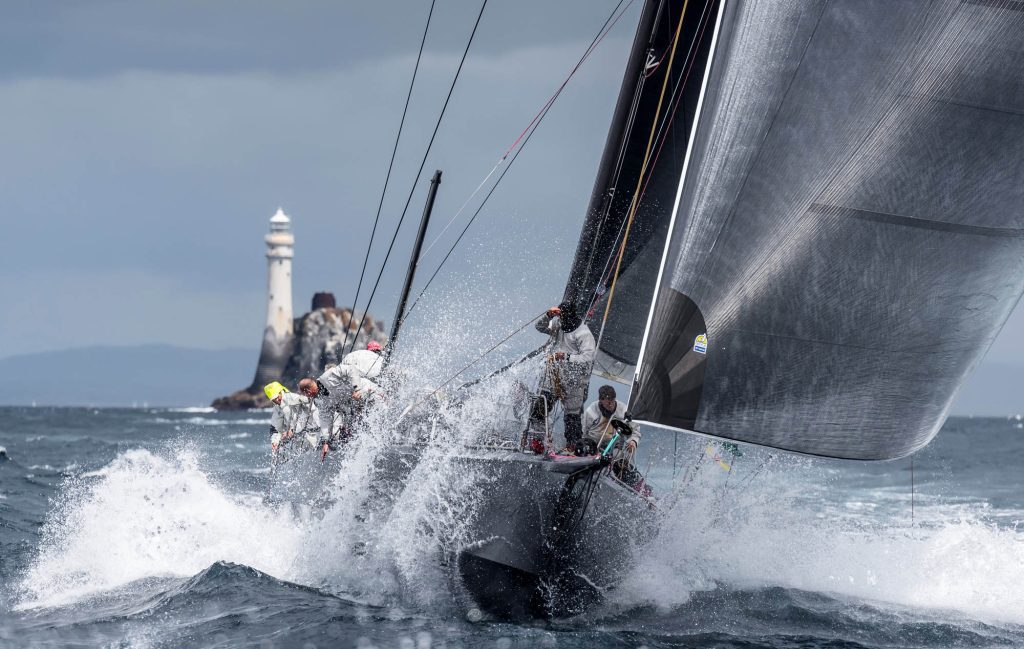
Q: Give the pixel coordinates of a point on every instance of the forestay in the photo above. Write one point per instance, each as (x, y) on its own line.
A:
(848, 233)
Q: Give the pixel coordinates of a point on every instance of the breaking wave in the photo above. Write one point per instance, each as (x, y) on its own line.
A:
(150, 516)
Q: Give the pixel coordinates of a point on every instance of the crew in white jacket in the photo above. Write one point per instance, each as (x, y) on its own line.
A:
(368, 361)
(597, 420)
(569, 361)
(293, 415)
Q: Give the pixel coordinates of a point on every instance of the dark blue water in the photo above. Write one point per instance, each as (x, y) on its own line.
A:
(155, 528)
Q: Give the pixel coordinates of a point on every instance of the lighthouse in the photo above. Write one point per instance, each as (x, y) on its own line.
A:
(278, 335)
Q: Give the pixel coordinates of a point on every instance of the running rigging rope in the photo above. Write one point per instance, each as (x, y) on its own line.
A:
(391, 164)
(521, 141)
(412, 190)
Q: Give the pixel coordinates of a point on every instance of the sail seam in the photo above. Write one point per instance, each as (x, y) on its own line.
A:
(966, 104)
(912, 221)
(831, 343)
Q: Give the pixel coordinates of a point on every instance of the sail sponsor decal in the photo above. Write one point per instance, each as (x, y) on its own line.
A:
(700, 344)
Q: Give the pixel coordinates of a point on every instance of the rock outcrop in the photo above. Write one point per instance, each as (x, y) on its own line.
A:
(321, 337)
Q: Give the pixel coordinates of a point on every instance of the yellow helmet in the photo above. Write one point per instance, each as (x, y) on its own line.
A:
(273, 389)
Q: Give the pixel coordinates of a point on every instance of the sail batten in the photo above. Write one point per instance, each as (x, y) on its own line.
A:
(849, 237)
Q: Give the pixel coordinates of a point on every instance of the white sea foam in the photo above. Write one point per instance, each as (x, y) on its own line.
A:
(145, 515)
(767, 533)
(195, 409)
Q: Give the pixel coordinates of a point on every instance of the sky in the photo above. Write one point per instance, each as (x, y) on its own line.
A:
(145, 145)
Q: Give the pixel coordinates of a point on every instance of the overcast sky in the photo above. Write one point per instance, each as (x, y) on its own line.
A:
(144, 146)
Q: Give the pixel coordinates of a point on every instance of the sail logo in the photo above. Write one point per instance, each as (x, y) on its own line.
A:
(700, 344)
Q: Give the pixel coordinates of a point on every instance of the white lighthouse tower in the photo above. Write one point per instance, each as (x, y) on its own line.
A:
(278, 335)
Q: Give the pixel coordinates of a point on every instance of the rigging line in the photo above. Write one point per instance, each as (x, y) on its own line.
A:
(911, 491)
(476, 360)
(505, 368)
(643, 168)
(423, 162)
(663, 131)
(437, 270)
(465, 229)
(547, 105)
(391, 164)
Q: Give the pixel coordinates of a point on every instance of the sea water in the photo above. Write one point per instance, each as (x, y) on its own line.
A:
(161, 528)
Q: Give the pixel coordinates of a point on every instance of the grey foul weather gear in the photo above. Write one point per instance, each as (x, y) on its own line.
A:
(334, 398)
(567, 379)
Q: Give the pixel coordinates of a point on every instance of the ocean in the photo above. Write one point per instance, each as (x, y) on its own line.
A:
(151, 528)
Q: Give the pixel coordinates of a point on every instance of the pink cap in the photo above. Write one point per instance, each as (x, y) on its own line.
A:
(374, 346)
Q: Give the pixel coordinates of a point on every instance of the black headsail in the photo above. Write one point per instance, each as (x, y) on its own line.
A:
(651, 121)
(849, 237)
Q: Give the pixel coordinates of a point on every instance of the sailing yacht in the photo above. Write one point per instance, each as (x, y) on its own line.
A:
(806, 230)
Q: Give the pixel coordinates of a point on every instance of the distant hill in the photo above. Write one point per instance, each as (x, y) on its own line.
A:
(160, 375)
(995, 389)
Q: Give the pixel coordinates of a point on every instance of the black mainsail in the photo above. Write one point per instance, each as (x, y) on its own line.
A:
(651, 125)
(849, 232)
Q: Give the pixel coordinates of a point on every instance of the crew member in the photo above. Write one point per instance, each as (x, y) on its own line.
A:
(292, 414)
(339, 393)
(597, 422)
(599, 432)
(569, 361)
(369, 361)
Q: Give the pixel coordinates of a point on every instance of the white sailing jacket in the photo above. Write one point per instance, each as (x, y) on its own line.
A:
(367, 362)
(598, 427)
(297, 414)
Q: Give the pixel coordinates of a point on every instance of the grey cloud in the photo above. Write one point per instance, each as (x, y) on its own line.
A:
(66, 38)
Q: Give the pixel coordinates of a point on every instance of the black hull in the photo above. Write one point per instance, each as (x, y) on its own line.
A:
(550, 537)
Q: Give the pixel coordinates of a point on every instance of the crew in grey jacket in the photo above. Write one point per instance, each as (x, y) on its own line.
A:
(569, 361)
(338, 392)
